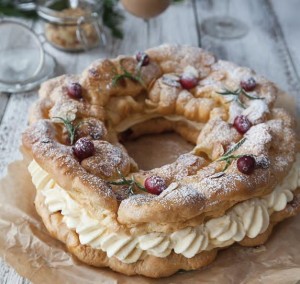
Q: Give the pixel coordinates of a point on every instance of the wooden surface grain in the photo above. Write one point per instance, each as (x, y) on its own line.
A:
(271, 47)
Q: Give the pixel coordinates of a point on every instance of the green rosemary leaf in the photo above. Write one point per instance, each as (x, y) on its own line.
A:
(130, 182)
(128, 75)
(251, 97)
(229, 157)
(235, 147)
(223, 158)
(226, 166)
(238, 93)
(227, 92)
(122, 176)
(130, 188)
(139, 185)
(71, 128)
(116, 79)
(238, 101)
(118, 183)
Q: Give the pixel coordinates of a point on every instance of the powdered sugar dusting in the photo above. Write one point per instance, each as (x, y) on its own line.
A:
(256, 111)
(197, 192)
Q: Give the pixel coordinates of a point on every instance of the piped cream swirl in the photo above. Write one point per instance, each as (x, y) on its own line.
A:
(249, 218)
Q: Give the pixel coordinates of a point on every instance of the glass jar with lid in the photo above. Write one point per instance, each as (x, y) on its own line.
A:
(72, 25)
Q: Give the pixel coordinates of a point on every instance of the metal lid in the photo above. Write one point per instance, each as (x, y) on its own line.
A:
(23, 61)
(51, 10)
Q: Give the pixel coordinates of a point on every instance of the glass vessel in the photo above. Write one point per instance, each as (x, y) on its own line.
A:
(146, 9)
(72, 25)
(23, 62)
(224, 27)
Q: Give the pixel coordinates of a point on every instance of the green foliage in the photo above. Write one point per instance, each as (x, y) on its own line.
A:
(112, 17)
(7, 8)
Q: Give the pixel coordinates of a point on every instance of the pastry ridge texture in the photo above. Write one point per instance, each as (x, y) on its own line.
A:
(197, 196)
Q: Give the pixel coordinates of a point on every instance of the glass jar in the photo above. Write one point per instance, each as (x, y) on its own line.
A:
(72, 25)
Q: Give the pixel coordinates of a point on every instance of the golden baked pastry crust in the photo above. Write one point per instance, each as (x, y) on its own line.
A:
(201, 115)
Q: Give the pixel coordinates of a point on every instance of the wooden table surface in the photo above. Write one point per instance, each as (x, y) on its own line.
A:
(272, 48)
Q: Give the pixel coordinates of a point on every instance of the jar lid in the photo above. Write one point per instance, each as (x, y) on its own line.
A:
(23, 61)
(54, 11)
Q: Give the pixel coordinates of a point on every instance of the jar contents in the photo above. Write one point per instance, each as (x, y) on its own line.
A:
(73, 37)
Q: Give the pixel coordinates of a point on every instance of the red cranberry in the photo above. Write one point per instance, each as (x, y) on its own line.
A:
(155, 185)
(143, 57)
(246, 164)
(248, 85)
(242, 124)
(83, 148)
(75, 91)
(188, 82)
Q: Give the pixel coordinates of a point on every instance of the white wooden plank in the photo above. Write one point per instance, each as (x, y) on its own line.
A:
(287, 13)
(262, 49)
(9, 276)
(3, 103)
(13, 124)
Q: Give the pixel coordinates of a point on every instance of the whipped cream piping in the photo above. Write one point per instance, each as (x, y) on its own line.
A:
(249, 218)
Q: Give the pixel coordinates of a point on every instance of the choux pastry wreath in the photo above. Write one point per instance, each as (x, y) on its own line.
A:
(241, 178)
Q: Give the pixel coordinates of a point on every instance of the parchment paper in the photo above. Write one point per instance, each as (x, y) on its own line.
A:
(26, 245)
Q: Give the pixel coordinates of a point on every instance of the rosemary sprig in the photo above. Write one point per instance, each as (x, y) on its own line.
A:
(130, 182)
(126, 74)
(238, 93)
(71, 128)
(228, 157)
(235, 147)
(136, 76)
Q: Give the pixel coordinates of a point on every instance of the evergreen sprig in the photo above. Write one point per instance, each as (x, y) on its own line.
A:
(136, 76)
(70, 126)
(228, 157)
(131, 183)
(238, 93)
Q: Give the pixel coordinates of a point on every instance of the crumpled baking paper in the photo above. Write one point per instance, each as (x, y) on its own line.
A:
(26, 245)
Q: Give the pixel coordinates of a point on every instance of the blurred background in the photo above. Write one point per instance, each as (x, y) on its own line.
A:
(261, 34)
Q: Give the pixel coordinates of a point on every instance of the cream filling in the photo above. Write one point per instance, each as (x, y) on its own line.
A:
(139, 118)
(248, 218)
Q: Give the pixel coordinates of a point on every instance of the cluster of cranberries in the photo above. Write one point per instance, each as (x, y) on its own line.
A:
(245, 164)
(83, 148)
